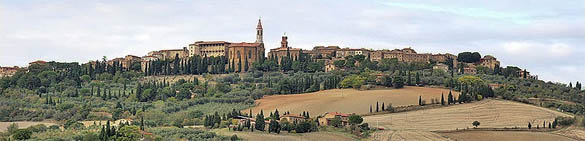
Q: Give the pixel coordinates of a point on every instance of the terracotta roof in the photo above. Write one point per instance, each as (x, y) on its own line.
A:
(132, 56)
(284, 49)
(172, 50)
(338, 114)
(244, 44)
(10, 68)
(38, 62)
(211, 42)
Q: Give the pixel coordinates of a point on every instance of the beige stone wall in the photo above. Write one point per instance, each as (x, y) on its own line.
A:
(249, 51)
(208, 48)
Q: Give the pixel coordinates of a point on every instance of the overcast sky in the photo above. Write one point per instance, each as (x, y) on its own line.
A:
(544, 36)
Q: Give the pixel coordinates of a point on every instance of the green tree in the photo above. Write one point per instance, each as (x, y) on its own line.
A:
(397, 82)
(12, 128)
(469, 57)
(22, 134)
(355, 119)
(442, 99)
(339, 63)
(129, 133)
(336, 122)
(260, 123)
(475, 123)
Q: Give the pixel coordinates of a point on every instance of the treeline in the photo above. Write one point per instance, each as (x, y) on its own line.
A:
(191, 65)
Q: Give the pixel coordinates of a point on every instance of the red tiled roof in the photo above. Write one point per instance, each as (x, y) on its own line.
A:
(211, 42)
(38, 62)
(284, 49)
(172, 50)
(339, 114)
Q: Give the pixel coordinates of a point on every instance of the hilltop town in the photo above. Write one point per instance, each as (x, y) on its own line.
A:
(237, 55)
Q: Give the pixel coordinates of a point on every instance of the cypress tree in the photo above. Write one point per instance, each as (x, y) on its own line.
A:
(442, 99)
(240, 65)
(246, 64)
(142, 123)
(377, 106)
(420, 100)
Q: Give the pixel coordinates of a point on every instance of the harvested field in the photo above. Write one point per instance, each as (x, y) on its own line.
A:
(259, 136)
(490, 113)
(23, 124)
(346, 100)
(572, 132)
(409, 135)
(505, 136)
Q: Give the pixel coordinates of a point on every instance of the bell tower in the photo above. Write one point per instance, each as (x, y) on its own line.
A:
(259, 32)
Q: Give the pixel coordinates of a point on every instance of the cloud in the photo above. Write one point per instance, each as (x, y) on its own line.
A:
(515, 17)
(537, 36)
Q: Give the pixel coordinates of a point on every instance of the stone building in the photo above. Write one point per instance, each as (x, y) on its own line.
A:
(292, 118)
(326, 119)
(284, 50)
(410, 55)
(344, 52)
(170, 53)
(129, 60)
(489, 61)
(320, 52)
(240, 53)
(442, 67)
(145, 60)
(208, 48)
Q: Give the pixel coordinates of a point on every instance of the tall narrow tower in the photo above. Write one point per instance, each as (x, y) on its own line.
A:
(259, 32)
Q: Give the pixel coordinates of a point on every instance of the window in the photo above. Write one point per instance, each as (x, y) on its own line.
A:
(249, 54)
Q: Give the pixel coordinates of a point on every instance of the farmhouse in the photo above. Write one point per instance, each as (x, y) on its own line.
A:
(241, 120)
(326, 119)
(292, 118)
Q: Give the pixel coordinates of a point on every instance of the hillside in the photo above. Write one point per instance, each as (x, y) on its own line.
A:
(346, 100)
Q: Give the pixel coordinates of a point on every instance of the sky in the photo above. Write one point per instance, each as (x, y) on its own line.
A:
(545, 37)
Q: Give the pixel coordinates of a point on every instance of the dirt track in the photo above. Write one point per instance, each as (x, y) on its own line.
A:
(265, 136)
(505, 136)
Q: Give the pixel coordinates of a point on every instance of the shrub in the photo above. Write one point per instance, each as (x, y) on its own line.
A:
(565, 121)
(22, 134)
(476, 123)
